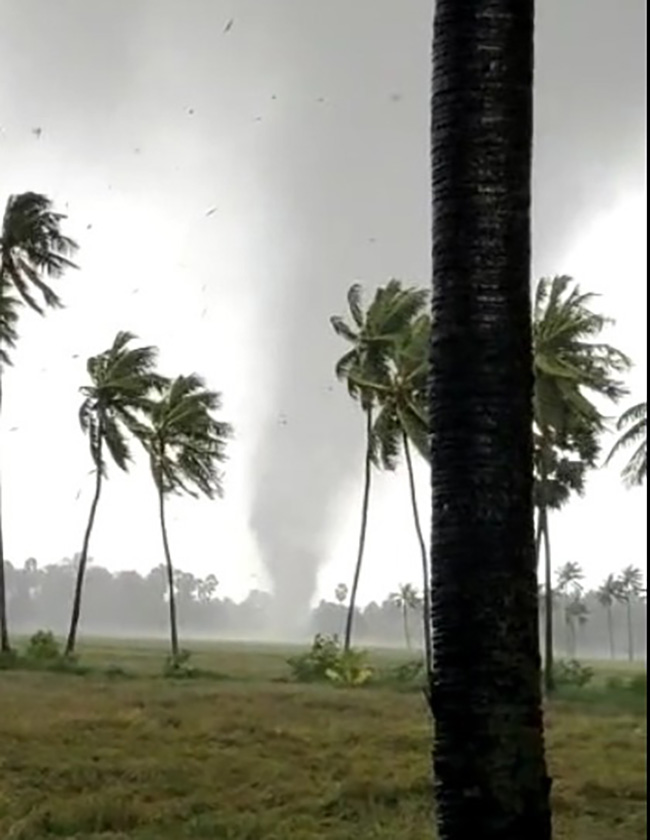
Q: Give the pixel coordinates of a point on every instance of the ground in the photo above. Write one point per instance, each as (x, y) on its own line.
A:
(240, 755)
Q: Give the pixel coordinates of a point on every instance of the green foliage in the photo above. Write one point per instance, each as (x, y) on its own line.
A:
(313, 665)
(178, 667)
(573, 673)
(632, 426)
(407, 673)
(43, 646)
(350, 669)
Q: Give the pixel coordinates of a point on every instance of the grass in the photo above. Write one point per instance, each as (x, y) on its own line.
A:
(245, 757)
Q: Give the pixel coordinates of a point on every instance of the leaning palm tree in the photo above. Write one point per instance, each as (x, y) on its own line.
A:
(607, 595)
(630, 587)
(185, 443)
(406, 598)
(632, 425)
(371, 336)
(122, 381)
(485, 692)
(32, 251)
(401, 421)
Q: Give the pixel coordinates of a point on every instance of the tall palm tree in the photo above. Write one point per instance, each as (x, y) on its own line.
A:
(630, 587)
(485, 692)
(571, 366)
(608, 593)
(186, 443)
(576, 614)
(32, 251)
(122, 380)
(405, 598)
(402, 420)
(632, 425)
(371, 336)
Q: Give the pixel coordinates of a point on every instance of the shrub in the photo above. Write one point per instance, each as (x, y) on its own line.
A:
(178, 667)
(570, 672)
(350, 668)
(43, 647)
(317, 661)
(408, 673)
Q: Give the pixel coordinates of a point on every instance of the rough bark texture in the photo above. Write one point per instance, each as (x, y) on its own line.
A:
(491, 779)
(362, 534)
(173, 623)
(83, 561)
(426, 606)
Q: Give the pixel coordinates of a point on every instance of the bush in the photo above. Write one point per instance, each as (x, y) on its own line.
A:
(638, 685)
(327, 662)
(408, 673)
(43, 647)
(178, 667)
(570, 672)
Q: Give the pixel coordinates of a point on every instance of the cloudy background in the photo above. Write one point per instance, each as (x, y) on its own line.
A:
(225, 188)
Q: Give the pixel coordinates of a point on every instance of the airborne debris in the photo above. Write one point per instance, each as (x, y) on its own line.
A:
(211, 211)
(228, 26)
(37, 132)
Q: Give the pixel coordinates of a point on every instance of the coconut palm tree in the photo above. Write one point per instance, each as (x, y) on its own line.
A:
(576, 614)
(186, 444)
(632, 425)
(402, 420)
(122, 380)
(405, 598)
(371, 335)
(608, 593)
(32, 251)
(572, 365)
(341, 593)
(485, 692)
(630, 587)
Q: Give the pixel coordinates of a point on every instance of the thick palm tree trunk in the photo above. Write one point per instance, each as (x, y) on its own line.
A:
(362, 534)
(5, 646)
(83, 562)
(485, 692)
(426, 600)
(173, 623)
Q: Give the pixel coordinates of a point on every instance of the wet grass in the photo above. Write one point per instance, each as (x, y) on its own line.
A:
(119, 752)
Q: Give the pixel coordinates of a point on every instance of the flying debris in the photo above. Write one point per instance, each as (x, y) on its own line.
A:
(76, 498)
(257, 119)
(320, 99)
(13, 429)
(282, 420)
(137, 150)
(204, 312)
(211, 211)
(396, 97)
(75, 356)
(37, 132)
(190, 111)
(371, 239)
(135, 291)
(88, 227)
(273, 96)
(228, 26)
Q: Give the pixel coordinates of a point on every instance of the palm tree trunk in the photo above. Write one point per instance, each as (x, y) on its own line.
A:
(485, 692)
(543, 533)
(362, 533)
(405, 620)
(173, 625)
(610, 630)
(426, 599)
(83, 560)
(630, 632)
(5, 646)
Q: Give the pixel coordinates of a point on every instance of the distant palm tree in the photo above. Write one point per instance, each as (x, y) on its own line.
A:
(371, 336)
(185, 444)
(406, 598)
(569, 578)
(32, 250)
(402, 420)
(633, 427)
(576, 614)
(607, 595)
(485, 690)
(115, 403)
(341, 593)
(630, 587)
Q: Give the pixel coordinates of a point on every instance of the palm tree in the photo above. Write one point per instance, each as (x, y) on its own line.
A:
(576, 614)
(185, 445)
(341, 593)
(569, 360)
(371, 337)
(630, 587)
(32, 251)
(406, 598)
(485, 691)
(632, 425)
(402, 419)
(115, 403)
(607, 595)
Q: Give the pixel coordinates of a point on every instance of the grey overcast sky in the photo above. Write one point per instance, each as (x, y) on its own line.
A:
(226, 187)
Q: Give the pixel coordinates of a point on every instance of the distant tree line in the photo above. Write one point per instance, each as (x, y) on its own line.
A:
(129, 604)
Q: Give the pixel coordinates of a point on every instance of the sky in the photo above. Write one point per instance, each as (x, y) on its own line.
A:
(228, 170)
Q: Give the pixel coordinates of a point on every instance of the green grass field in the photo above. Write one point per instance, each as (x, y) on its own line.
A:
(241, 755)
